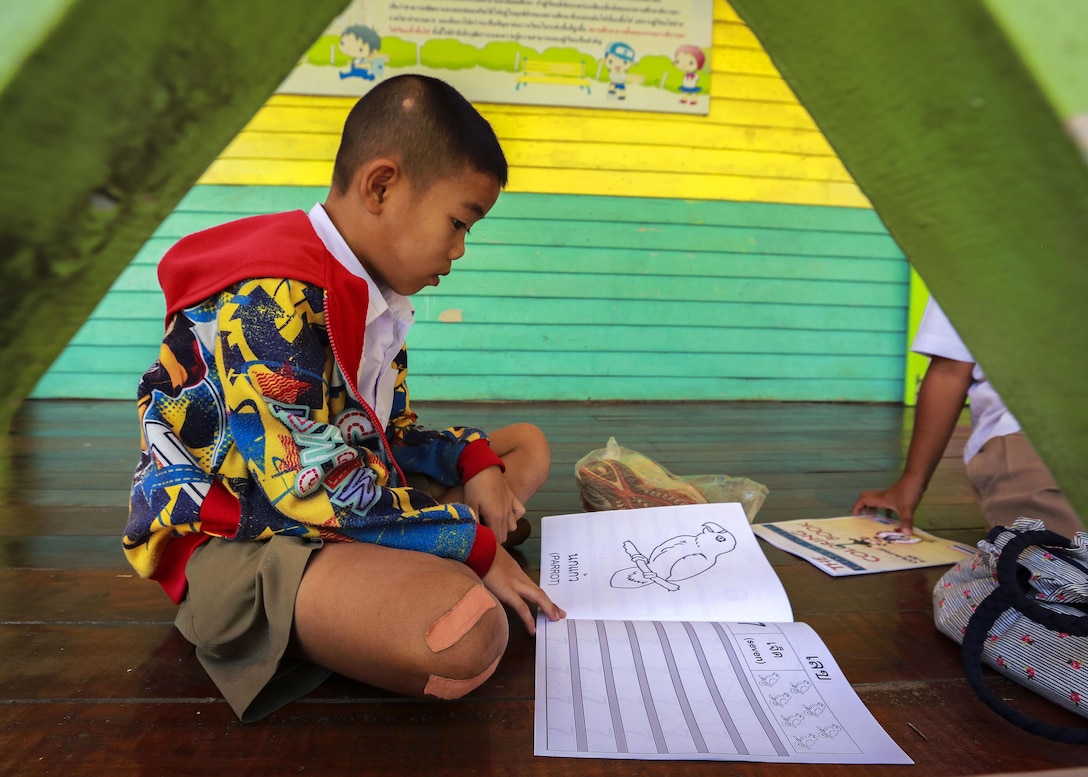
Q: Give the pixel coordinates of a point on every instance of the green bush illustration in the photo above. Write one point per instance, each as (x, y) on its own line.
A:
(401, 53)
(504, 55)
(326, 51)
(448, 53)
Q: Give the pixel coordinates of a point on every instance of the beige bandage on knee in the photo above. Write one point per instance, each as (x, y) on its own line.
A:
(446, 688)
(451, 627)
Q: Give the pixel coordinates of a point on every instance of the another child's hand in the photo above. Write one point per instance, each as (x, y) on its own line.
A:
(511, 586)
(489, 496)
(902, 497)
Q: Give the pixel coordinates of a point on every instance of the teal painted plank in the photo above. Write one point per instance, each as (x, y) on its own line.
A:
(237, 201)
(136, 305)
(658, 339)
(57, 384)
(590, 387)
(683, 263)
(663, 313)
(640, 262)
(626, 287)
(114, 359)
(646, 236)
(596, 286)
(779, 312)
(637, 366)
(581, 388)
(132, 305)
(575, 337)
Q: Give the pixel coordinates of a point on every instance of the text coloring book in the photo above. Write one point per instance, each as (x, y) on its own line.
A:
(679, 643)
(860, 544)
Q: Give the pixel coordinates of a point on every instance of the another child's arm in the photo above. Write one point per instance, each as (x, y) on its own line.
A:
(511, 586)
(940, 402)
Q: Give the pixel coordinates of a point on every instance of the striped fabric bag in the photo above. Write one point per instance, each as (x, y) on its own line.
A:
(1020, 606)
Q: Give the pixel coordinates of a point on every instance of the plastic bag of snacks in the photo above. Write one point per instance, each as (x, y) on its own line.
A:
(616, 478)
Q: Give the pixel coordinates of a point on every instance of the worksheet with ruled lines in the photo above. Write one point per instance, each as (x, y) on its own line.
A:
(637, 670)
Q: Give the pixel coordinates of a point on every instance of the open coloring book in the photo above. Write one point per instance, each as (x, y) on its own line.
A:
(860, 544)
(679, 643)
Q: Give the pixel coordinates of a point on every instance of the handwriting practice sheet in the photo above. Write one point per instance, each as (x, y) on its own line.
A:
(652, 681)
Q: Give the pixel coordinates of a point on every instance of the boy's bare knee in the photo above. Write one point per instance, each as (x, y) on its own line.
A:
(467, 643)
(533, 438)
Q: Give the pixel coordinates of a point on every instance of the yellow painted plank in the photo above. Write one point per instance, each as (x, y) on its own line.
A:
(723, 11)
(733, 35)
(301, 115)
(561, 131)
(255, 172)
(735, 60)
(580, 155)
(693, 187)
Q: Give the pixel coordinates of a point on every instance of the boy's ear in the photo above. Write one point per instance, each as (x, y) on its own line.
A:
(374, 182)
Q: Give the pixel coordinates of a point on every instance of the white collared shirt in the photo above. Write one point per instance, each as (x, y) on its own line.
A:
(989, 417)
(388, 317)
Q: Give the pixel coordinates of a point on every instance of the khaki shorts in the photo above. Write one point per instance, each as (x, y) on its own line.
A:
(1012, 481)
(238, 613)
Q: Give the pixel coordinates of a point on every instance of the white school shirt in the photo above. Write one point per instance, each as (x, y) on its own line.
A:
(388, 317)
(989, 416)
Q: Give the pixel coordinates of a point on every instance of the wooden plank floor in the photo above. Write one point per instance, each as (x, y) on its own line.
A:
(96, 681)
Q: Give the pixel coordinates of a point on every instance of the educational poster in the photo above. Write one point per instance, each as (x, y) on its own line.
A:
(766, 692)
(649, 55)
(860, 544)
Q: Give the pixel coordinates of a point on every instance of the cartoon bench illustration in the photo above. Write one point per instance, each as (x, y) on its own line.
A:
(542, 71)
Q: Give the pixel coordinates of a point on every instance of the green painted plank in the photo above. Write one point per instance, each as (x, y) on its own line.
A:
(237, 201)
(658, 339)
(580, 388)
(131, 305)
(137, 305)
(683, 388)
(737, 315)
(632, 261)
(592, 286)
(646, 236)
(80, 359)
(570, 337)
(636, 366)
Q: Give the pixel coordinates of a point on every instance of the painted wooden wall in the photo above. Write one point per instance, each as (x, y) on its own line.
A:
(633, 256)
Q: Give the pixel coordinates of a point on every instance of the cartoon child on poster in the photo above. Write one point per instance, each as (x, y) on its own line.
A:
(689, 59)
(362, 44)
(618, 58)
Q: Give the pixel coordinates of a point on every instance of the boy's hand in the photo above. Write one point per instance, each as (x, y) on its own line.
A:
(493, 502)
(511, 586)
(902, 497)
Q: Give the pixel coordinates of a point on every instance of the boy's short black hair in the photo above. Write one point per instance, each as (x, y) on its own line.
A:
(425, 123)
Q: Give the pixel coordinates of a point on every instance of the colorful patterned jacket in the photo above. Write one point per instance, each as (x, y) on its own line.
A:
(251, 420)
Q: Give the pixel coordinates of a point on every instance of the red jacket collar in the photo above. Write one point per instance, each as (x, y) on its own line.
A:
(279, 245)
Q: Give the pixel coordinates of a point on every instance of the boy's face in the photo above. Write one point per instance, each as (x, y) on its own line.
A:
(423, 232)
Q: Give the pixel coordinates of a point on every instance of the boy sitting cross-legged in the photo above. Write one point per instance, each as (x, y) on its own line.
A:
(272, 499)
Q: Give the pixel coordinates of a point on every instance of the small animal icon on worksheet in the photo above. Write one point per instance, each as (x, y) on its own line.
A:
(678, 558)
